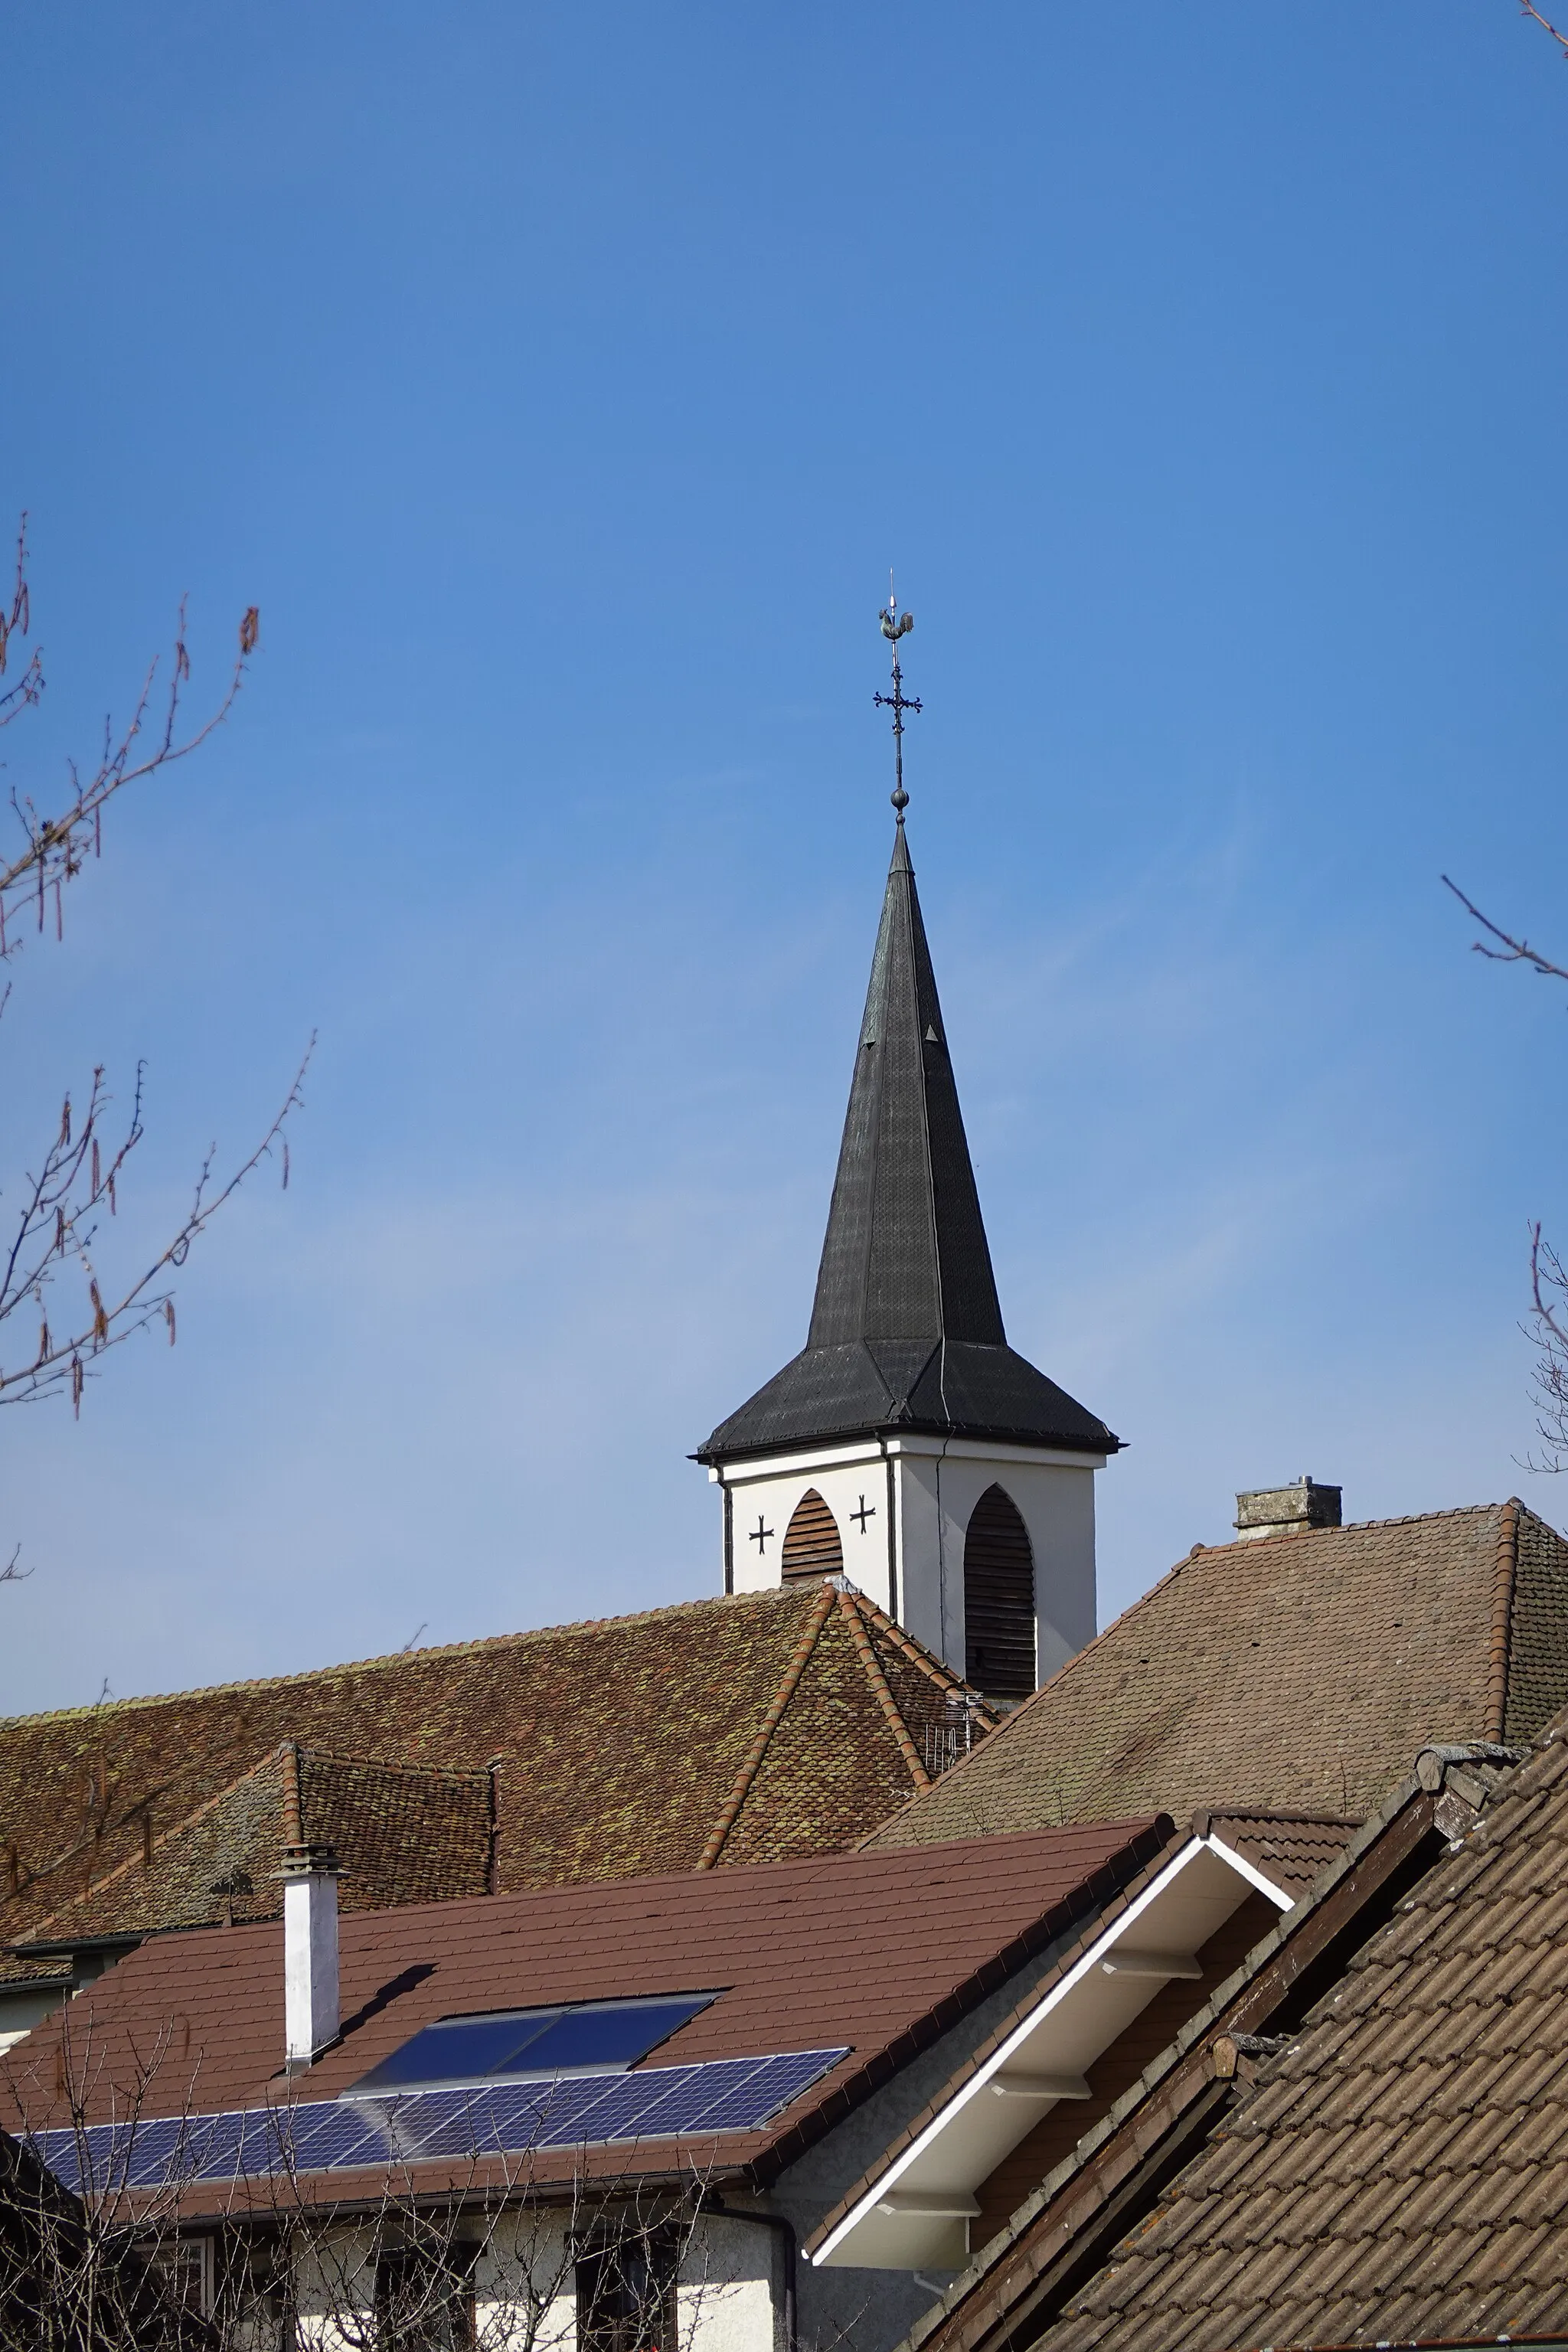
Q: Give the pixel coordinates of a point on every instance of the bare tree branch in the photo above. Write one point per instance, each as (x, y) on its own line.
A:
(54, 849)
(505, 2252)
(1508, 949)
(1525, 9)
(56, 1228)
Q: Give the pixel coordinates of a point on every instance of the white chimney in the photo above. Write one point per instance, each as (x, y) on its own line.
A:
(309, 1952)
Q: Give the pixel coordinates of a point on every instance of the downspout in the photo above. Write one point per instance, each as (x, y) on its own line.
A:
(941, 1558)
(785, 2229)
(892, 1534)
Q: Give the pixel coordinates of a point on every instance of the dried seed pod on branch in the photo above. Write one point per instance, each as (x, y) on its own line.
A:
(75, 1181)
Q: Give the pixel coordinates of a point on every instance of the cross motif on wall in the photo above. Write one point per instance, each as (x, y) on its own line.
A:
(760, 1536)
(867, 1511)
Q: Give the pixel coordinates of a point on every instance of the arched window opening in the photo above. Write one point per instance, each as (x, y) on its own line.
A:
(811, 1546)
(998, 1598)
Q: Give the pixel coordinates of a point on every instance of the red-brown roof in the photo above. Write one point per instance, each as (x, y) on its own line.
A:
(746, 1729)
(877, 1952)
(1399, 2173)
(1299, 1671)
(1291, 1850)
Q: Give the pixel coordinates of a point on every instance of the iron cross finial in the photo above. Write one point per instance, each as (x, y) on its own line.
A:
(897, 625)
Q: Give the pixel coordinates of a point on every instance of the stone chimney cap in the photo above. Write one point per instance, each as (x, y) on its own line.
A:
(1288, 1510)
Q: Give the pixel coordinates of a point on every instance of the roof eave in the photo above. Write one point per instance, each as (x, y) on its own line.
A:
(714, 1456)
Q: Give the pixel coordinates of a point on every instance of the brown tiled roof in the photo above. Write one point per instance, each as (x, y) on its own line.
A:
(807, 1955)
(767, 1724)
(1299, 1671)
(1290, 1849)
(404, 1833)
(1087, 2197)
(1399, 2172)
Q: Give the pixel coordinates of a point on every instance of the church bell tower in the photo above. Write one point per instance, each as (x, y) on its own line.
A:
(908, 1445)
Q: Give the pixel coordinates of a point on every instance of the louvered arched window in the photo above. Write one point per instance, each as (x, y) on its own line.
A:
(998, 1598)
(811, 1544)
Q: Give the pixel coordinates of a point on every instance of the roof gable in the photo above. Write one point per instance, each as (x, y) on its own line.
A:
(1081, 2198)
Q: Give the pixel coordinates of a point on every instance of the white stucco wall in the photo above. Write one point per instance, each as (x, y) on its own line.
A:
(845, 1477)
(729, 2286)
(935, 1487)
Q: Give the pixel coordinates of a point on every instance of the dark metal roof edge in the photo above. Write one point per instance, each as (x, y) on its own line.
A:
(712, 1456)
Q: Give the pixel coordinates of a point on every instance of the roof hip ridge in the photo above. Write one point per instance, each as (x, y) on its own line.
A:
(1501, 1649)
(848, 1604)
(750, 1763)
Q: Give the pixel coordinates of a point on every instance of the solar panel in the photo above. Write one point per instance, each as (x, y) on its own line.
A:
(588, 2037)
(410, 2127)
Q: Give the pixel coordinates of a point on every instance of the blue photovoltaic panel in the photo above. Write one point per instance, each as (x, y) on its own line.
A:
(591, 2037)
(416, 2126)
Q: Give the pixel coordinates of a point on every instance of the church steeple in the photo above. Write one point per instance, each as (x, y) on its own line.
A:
(907, 1369)
(906, 1329)
(905, 1255)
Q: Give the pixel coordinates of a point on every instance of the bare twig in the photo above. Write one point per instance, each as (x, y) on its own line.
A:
(1525, 9)
(1548, 1327)
(54, 849)
(1508, 949)
(56, 1228)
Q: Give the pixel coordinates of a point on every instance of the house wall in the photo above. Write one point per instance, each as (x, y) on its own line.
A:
(25, 2007)
(875, 2309)
(907, 1554)
(729, 2288)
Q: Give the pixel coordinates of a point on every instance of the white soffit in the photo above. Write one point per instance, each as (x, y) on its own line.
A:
(905, 2221)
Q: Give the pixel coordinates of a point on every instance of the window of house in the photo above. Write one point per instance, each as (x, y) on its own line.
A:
(187, 2266)
(626, 2293)
(423, 2300)
(602, 2037)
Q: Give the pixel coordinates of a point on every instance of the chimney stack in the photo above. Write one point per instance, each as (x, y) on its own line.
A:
(1287, 1510)
(310, 1953)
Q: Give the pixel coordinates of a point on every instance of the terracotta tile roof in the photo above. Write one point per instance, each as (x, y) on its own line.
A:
(1299, 1671)
(808, 1954)
(1399, 2172)
(617, 1747)
(1292, 1850)
(1086, 2194)
(403, 1833)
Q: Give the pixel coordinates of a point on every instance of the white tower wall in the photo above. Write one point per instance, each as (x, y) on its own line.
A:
(902, 1507)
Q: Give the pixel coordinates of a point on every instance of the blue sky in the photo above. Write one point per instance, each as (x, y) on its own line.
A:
(561, 383)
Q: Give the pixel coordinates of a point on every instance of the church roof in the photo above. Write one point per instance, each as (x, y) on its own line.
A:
(753, 1728)
(1297, 1671)
(906, 1330)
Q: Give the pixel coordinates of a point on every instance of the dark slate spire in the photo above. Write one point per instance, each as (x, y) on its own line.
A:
(905, 1332)
(906, 1255)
